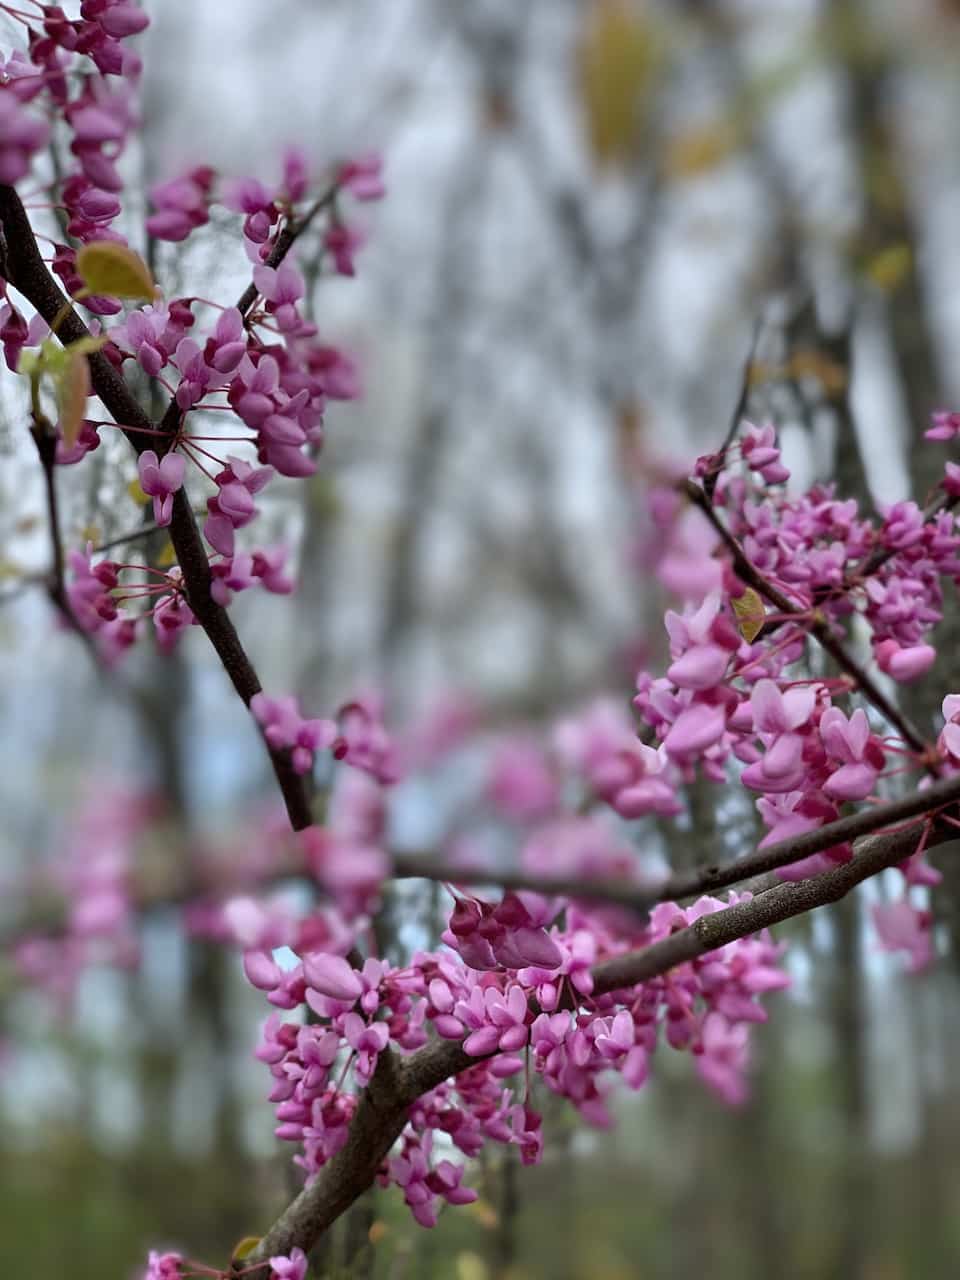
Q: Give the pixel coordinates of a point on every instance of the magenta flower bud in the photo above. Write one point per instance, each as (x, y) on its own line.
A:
(701, 667)
(261, 970)
(505, 1065)
(440, 996)
(481, 1042)
(537, 948)
(95, 124)
(122, 20)
(98, 206)
(235, 502)
(170, 224)
(465, 917)
(332, 976)
(907, 664)
(851, 782)
(448, 1027)
(694, 730)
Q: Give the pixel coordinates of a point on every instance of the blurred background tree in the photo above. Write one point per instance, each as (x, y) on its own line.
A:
(599, 211)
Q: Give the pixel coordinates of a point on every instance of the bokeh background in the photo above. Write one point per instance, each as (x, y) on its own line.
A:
(597, 210)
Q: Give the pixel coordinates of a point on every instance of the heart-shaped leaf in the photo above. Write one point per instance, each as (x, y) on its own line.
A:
(115, 270)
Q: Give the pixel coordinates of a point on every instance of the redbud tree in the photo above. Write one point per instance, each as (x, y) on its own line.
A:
(583, 961)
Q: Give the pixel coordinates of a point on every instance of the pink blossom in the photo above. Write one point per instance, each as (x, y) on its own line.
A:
(163, 1266)
(722, 1059)
(332, 976)
(21, 136)
(901, 926)
(251, 197)
(759, 449)
(284, 727)
(233, 506)
(695, 730)
(851, 742)
(181, 205)
(904, 663)
(160, 480)
(522, 785)
(282, 287)
(292, 1266)
(946, 425)
(363, 740)
(342, 243)
(88, 439)
(363, 178)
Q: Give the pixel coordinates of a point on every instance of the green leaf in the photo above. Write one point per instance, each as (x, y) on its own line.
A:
(750, 614)
(86, 346)
(52, 357)
(245, 1247)
(115, 270)
(73, 388)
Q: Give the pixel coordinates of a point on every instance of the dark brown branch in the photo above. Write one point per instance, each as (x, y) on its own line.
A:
(285, 242)
(707, 878)
(27, 272)
(382, 1109)
(45, 439)
(152, 894)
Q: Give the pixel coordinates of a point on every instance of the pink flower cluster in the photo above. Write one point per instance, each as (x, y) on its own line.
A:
(92, 871)
(265, 364)
(284, 728)
(513, 991)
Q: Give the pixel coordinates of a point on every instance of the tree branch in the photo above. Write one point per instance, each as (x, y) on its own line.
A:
(27, 272)
(45, 439)
(708, 878)
(382, 1109)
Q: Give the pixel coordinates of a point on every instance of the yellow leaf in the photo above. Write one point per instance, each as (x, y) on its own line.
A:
(245, 1247)
(87, 346)
(760, 372)
(29, 362)
(470, 1266)
(9, 569)
(701, 150)
(750, 614)
(167, 556)
(617, 58)
(137, 494)
(831, 375)
(114, 270)
(73, 388)
(484, 1213)
(890, 267)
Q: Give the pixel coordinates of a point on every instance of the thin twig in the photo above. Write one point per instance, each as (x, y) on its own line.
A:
(45, 439)
(739, 409)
